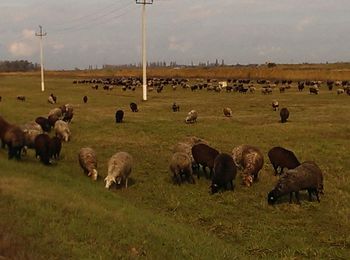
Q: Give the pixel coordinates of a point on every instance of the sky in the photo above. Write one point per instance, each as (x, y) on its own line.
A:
(96, 32)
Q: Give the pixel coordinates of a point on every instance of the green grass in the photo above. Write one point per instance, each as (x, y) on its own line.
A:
(58, 213)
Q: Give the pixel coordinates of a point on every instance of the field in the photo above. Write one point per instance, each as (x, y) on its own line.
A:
(57, 212)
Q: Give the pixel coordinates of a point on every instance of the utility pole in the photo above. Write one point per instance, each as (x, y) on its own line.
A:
(41, 34)
(144, 62)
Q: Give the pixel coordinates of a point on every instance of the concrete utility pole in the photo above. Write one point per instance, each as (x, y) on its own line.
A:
(41, 34)
(144, 62)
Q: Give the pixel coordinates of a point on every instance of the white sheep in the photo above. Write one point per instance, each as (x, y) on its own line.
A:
(51, 100)
(191, 117)
(340, 91)
(181, 165)
(88, 162)
(62, 130)
(227, 111)
(56, 111)
(119, 169)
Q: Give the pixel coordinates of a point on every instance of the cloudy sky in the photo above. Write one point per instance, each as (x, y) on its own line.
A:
(96, 32)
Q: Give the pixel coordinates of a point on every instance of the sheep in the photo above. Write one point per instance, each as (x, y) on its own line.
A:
(29, 138)
(14, 139)
(119, 169)
(0, 98)
(119, 116)
(180, 166)
(42, 148)
(284, 114)
(52, 120)
(275, 105)
(54, 98)
(51, 100)
(340, 91)
(314, 90)
(88, 162)
(85, 99)
(224, 172)
(21, 98)
(175, 107)
(68, 115)
(4, 125)
(227, 112)
(44, 123)
(250, 160)
(204, 155)
(55, 147)
(62, 130)
(186, 145)
(133, 107)
(56, 111)
(307, 176)
(282, 158)
(191, 117)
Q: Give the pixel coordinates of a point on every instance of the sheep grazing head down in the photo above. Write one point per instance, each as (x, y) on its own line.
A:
(272, 197)
(93, 174)
(110, 179)
(247, 180)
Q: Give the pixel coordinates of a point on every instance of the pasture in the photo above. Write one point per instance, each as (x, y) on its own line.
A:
(56, 212)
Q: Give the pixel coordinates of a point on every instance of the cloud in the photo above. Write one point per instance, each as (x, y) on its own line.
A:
(268, 51)
(19, 49)
(304, 23)
(176, 44)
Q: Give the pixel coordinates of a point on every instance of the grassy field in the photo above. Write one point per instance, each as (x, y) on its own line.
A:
(57, 212)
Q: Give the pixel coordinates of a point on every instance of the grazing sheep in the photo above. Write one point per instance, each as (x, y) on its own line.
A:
(4, 125)
(119, 116)
(227, 111)
(175, 107)
(56, 111)
(284, 114)
(55, 147)
(63, 109)
(191, 117)
(88, 162)
(62, 130)
(133, 107)
(180, 166)
(314, 90)
(21, 98)
(275, 105)
(51, 100)
(54, 98)
(42, 148)
(44, 123)
(14, 139)
(204, 155)
(119, 169)
(85, 99)
(224, 172)
(29, 138)
(68, 115)
(251, 160)
(52, 120)
(340, 91)
(307, 176)
(282, 158)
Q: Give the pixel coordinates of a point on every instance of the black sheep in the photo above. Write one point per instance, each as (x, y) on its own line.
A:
(85, 99)
(14, 139)
(224, 172)
(119, 116)
(44, 123)
(307, 176)
(204, 155)
(284, 114)
(55, 147)
(68, 115)
(42, 148)
(282, 158)
(133, 107)
(175, 107)
(21, 98)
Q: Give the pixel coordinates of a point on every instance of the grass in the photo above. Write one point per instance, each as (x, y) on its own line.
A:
(58, 213)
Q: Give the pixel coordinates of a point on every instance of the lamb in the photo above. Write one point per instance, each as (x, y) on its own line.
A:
(284, 114)
(224, 172)
(14, 139)
(85, 99)
(119, 169)
(62, 130)
(21, 98)
(180, 166)
(133, 107)
(88, 162)
(275, 105)
(282, 158)
(191, 117)
(175, 107)
(204, 155)
(227, 111)
(119, 116)
(251, 160)
(55, 146)
(44, 123)
(307, 176)
(42, 148)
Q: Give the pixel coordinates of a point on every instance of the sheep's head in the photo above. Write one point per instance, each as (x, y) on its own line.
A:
(214, 188)
(93, 174)
(272, 196)
(248, 180)
(109, 181)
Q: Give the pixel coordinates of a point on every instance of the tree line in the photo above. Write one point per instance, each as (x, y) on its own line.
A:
(18, 65)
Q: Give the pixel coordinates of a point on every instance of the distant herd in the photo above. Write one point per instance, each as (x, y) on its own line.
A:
(189, 154)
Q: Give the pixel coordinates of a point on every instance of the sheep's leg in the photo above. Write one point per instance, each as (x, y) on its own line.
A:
(290, 197)
(232, 188)
(126, 183)
(310, 194)
(318, 198)
(297, 197)
(275, 168)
